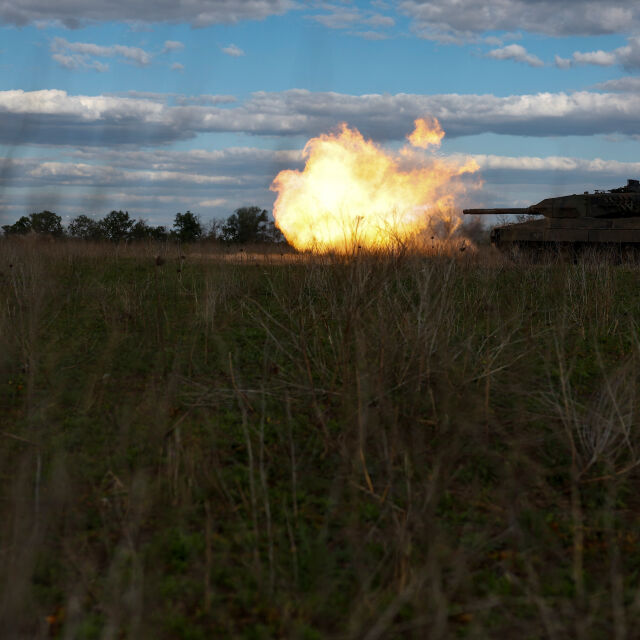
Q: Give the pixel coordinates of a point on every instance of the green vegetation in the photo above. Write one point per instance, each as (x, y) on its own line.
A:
(250, 224)
(187, 227)
(245, 225)
(45, 222)
(277, 446)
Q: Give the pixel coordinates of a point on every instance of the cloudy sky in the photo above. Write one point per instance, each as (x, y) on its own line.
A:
(161, 106)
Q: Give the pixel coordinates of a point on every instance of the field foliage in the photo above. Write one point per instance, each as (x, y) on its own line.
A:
(226, 445)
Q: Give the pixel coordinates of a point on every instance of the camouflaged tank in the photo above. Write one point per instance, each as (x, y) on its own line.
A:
(601, 219)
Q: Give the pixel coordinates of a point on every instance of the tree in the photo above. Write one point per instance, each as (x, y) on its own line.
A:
(116, 225)
(274, 234)
(85, 227)
(43, 222)
(21, 227)
(187, 227)
(212, 230)
(158, 233)
(46, 222)
(142, 231)
(247, 224)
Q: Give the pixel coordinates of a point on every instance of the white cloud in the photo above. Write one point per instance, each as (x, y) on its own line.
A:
(198, 13)
(599, 58)
(251, 161)
(216, 202)
(54, 117)
(204, 99)
(356, 19)
(378, 20)
(172, 45)
(627, 57)
(562, 63)
(369, 35)
(444, 20)
(70, 173)
(81, 55)
(629, 84)
(556, 163)
(175, 98)
(339, 18)
(523, 180)
(465, 19)
(77, 61)
(176, 66)
(133, 54)
(233, 51)
(517, 53)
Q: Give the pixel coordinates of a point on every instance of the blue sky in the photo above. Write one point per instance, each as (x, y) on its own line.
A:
(161, 107)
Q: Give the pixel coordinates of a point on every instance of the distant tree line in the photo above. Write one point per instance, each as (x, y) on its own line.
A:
(245, 225)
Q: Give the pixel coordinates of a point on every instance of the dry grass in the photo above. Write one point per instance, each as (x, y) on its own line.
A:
(375, 447)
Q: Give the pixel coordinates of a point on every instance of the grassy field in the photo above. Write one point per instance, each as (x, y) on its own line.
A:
(381, 447)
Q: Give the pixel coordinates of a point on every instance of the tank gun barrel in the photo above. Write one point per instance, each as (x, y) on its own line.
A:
(496, 212)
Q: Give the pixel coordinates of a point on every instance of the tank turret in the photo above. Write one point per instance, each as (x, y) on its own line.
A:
(601, 218)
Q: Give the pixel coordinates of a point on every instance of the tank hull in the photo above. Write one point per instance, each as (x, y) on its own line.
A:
(559, 232)
(600, 219)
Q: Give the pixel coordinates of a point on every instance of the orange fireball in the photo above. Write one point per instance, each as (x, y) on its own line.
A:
(426, 133)
(352, 193)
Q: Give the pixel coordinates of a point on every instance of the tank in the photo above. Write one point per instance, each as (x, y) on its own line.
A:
(600, 219)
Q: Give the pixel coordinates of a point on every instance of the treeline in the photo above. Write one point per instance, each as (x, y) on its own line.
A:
(245, 225)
